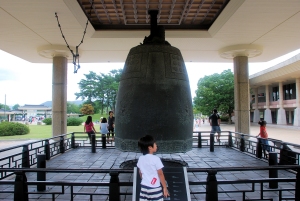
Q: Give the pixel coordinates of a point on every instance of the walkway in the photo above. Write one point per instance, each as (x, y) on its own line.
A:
(82, 158)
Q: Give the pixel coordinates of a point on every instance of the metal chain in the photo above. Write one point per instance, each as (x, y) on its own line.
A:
(75, 56)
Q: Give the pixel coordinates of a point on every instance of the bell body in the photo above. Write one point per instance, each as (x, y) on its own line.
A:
(154, 98)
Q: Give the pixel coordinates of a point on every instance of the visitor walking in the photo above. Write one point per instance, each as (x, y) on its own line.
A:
(264, 137)
(89, 127)
(111, 126)
(215, 122)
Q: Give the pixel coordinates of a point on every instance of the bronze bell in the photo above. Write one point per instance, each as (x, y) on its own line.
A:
(154, 96)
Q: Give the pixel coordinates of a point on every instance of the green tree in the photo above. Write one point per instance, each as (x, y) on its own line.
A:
(6, 107)
(16, 106)
(216, 91)
(100, 90)
(72, 108)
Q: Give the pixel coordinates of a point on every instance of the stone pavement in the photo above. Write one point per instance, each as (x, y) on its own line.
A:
(82, 158)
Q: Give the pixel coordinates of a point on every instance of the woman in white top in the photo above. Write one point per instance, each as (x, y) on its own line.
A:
(103, 127)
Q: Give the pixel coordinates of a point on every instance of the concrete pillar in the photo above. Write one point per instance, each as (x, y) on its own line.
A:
(256, 116)
(290, 117)
(241, 95)
(59, 55)
(281, 116)
(297, 110)
(240, 55)
(59, 96)
(267, 113)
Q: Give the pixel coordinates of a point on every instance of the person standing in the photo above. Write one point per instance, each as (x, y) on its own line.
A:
(89, 127)
(111, 126)
(264, 137)
(215, 122)
(153, 184)
(103, 126)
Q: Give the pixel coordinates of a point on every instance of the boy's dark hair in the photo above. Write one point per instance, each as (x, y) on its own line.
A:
(262, 123)
(110, 112)
(104, 120)
(215, 111)
(145, 142)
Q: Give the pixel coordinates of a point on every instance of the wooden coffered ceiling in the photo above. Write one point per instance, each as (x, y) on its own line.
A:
(133, 14)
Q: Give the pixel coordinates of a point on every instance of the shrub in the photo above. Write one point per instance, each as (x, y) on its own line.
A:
(48, 121)
(12, 128)
(224, 118)
(74, 121)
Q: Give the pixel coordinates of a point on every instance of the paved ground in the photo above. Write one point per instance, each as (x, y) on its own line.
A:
(289, 134)
(82, 158)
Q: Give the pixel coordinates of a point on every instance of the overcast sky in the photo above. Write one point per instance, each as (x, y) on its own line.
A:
(28, 83)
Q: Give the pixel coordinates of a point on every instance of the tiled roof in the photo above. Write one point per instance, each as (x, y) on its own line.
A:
(34, 107)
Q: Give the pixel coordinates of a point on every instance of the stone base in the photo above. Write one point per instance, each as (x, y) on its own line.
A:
(268, 116)
(164, 147)
(256, 116)
(281, 116)
(297, 117)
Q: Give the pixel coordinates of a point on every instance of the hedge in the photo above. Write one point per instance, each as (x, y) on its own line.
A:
(74, 121)
(48, 121)
(13, 128)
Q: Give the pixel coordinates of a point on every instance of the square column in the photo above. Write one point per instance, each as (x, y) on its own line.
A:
(256, 116)
(59, 95)
(241, 94)
(297, 110)
(267, 113)
(281, 116)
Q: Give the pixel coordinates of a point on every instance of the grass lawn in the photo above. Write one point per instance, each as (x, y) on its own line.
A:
(42, 132)
(45, 131)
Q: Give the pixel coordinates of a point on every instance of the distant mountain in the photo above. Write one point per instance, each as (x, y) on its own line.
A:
(49, 103)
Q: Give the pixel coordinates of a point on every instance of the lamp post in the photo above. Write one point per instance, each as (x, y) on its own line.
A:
(5, 107)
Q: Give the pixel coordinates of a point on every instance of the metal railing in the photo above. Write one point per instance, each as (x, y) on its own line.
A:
(113, 188)
(288, 153)
(25, 156)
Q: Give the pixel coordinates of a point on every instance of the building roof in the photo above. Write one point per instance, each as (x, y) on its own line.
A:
(34, 107)
(286, 72)
(30, 30)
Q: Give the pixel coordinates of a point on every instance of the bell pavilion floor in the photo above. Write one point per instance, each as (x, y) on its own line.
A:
(82, 158)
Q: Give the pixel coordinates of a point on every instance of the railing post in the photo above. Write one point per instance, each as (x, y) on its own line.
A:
(211, 145)
(297, 190)
(73, 140)
(41, 176)
(62, 144)
(273, 173)
(258, 148)
(25, 157)
(93, 138)
(242, 147)
(103, 141)
(211, 186)
(199, 140)
(21, 188)
(282, 154)
(230, 143)
(114, 187)
(47, 149)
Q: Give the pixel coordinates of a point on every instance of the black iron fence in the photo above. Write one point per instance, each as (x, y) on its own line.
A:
(287, 153)
(25, 156)
(117, 187)
(19, 159)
